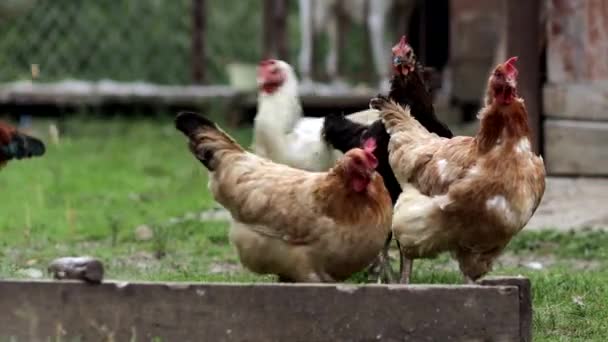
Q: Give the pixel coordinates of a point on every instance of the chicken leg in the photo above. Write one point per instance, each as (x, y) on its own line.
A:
(381, 269)
(405, 266)
(406, 273)
(386, 271)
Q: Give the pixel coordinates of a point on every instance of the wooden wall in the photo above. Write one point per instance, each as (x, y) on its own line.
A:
(576, 92)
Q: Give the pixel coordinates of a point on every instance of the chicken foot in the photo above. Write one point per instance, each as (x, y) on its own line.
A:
(386, 272)
(381, 268)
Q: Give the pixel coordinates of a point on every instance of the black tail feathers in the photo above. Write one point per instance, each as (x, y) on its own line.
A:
(207, 141)
(341, 133)
(188, 122)
(23, 146)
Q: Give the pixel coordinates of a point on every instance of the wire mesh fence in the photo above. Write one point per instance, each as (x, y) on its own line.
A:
(123, 40)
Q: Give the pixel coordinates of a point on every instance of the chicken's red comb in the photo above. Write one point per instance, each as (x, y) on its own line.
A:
(403, 41)
(402, 44)
(369, 145)
(510, 68)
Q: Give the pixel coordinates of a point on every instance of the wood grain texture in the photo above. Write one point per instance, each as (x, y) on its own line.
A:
(76, 93)
(525, 301)
(475, 29)
(577, 44)
(35, 311)
(576, 101)
(576, 147)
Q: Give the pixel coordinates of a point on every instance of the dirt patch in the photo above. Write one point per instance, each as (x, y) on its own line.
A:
(573, 203)
(541, 262)
(224, 268)
(141, 260)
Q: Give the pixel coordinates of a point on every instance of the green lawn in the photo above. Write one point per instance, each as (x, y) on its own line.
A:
(104, 179)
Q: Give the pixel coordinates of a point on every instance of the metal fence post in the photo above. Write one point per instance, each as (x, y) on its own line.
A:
(274, 26)
(198, 41)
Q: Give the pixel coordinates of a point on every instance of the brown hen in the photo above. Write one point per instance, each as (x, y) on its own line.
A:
(302, 226)
(466, 195)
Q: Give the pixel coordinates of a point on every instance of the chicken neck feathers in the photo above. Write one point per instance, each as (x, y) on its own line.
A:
(412, 92)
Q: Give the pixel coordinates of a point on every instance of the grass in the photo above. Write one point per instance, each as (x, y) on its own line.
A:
(90, 192)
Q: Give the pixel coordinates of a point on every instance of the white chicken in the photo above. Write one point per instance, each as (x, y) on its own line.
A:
(281, 133)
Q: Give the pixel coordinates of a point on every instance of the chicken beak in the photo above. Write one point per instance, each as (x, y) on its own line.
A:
(511, 82)
(260, 81)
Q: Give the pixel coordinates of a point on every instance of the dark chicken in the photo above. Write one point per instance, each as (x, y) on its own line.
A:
(17, 145)
(407, 89)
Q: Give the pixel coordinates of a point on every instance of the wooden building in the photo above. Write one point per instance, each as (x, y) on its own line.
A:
(563, 50)
(576, 91)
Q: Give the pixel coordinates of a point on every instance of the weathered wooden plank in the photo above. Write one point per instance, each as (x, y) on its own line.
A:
(97, 93)
(576, 147)
(578, 101)
(326, 96)
(577, 44)
(261, 312)
(525, 302)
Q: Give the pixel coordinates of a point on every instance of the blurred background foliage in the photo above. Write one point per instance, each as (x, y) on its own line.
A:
(140, 40)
